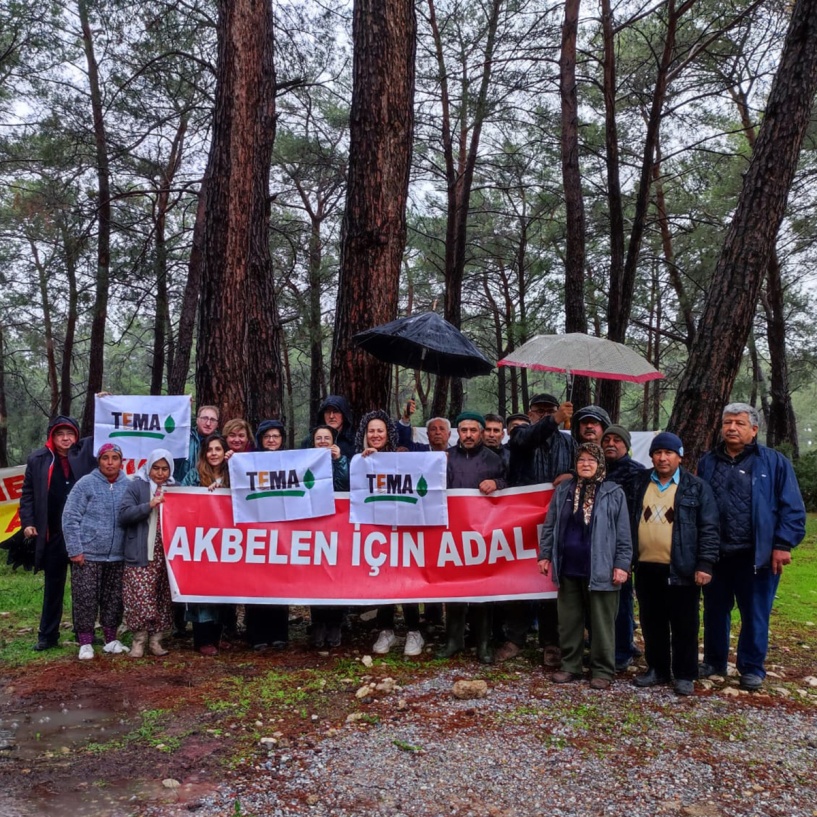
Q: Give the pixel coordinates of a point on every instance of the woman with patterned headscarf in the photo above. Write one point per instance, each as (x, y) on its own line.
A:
(586, 549)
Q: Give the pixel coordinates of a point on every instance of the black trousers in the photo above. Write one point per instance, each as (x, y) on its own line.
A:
(55, 572)
(670, 618)
(519, 617)
(266, 623)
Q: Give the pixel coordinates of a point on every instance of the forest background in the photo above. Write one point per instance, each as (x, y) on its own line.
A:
(211, 197)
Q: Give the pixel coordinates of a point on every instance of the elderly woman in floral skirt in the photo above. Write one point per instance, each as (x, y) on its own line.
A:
(145, 589)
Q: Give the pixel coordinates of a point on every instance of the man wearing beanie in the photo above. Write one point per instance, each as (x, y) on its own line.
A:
(762, 517)
(623, 470)
(675, 546)
(51, 473)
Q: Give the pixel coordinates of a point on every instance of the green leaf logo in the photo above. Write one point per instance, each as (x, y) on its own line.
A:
(170, 425)
(422, 487)
(309, 479)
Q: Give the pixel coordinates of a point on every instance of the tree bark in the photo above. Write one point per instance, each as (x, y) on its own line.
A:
(4, 429)
(72, 248)
(238, 359)
(460, 164)
(717, 351)
(96, 355)
(781, 423)
(374, 222)
(177, 377)
(575, 313)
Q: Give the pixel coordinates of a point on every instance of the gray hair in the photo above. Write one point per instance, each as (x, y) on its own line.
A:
(441, 420)
(742, 408)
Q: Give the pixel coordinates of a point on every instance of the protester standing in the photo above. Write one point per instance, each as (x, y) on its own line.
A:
(211, 472)
(586, 547)
(268, 624)
(51, 473)
(95, 544)
(146, 590)
(762, 519)
(675, 538)
(376, 434)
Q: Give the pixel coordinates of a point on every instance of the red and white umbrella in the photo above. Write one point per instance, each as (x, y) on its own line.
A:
(578, 354)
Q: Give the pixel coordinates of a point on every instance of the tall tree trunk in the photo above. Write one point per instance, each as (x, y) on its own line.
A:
(160, 264)
(48, 330)
(4, 420)
(238, 358)
(177, 377)
(781, 422)
(460, 163)
(315, 328)
(71, 249)
(374, 222)
(716, 354)
(99, 319)
(575, 313)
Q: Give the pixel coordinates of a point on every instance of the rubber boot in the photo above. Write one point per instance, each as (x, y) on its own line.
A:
(155, 645)
(455, 617)
(140, 638)
(482, 620)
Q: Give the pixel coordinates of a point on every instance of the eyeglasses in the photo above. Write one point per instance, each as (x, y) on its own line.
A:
(273, 435)
(207, 419)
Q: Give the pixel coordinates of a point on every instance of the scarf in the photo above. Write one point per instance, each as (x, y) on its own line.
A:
(584, 494)
(144, 474)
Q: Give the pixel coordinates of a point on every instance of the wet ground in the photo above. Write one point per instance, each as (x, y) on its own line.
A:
(121, 737)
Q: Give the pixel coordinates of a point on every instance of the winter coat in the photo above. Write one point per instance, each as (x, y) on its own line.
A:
(39, 466)
(346, 436)
(695, 535)
(90, 520)
(468, 468)
(778, 512)
(625, 472)
(134, 512)
(610, 543)
(539, 453)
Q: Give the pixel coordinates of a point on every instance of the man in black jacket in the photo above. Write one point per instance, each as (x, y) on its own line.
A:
(675, 547)
(51, 472)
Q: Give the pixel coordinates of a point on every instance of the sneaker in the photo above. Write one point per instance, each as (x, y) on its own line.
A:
(115, 647)
(86, 652)
(414, 644)
(385, 641)
(650, 678)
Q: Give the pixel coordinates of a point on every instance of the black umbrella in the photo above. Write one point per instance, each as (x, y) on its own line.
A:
(427, 342)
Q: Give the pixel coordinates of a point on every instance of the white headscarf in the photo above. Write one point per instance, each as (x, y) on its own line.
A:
(144, 474)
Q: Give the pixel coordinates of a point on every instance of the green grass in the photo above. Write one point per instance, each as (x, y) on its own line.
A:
(796, 601)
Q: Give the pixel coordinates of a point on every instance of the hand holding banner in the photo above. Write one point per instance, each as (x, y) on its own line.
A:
(140, 423)
(278, 486)
(405, 489)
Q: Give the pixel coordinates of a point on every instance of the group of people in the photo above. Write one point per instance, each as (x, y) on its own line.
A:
(729, 531)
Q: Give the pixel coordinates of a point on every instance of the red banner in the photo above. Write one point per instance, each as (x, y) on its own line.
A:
(486, 553)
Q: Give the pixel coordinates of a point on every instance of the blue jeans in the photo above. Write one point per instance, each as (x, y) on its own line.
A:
(736, 580)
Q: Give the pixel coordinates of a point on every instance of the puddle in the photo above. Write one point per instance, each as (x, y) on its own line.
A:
(57, 731)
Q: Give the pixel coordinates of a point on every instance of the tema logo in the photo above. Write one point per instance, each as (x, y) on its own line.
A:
(395, 488)
(130, 424)
(278, 483)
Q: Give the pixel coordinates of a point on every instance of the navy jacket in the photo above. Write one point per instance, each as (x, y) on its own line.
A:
(695, 533)
(778, 512)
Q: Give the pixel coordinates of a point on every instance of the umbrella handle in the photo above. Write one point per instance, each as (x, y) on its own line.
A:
(569, 376)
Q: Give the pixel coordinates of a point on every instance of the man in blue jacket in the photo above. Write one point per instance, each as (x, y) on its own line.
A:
(762, 518)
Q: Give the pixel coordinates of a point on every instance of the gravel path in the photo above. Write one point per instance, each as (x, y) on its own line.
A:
(533, 748)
